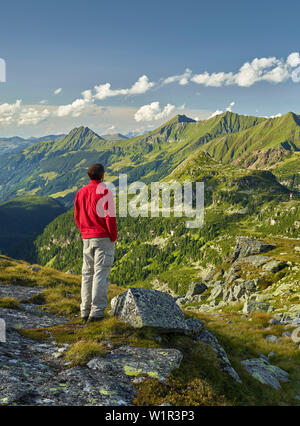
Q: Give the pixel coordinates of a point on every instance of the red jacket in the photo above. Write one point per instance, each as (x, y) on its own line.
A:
(88, 208)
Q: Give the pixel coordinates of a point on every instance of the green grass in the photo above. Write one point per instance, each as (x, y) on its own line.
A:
(198, 381)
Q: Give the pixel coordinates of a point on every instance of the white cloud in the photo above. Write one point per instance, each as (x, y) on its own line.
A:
(32, 116)
(43, 102)
(229, 108)
(57, 91)
(218, 111)
(7, 110)
(293, 59)
(142, 85)
(182, 79)
(214, 80)
(74, 109)
(153, 112)
(272, 70)
(273, 116)
(87, 95)
(18, 114)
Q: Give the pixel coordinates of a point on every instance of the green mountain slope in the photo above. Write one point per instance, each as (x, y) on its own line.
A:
(281, 132)
(272, 144)
(21, 220)
(163, 249)
(58, 168)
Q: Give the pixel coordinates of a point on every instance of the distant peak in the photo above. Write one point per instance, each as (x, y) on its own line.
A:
(82, 131)
(184, 119)
(180, 119)
(114, 136)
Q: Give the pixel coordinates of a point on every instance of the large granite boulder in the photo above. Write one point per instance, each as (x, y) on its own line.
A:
(246, 246)
(260, 369)
(149, 308)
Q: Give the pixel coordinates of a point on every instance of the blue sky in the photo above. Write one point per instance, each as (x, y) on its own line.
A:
(138, 48)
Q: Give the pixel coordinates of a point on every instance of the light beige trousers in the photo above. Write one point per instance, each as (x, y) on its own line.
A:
(98, 257)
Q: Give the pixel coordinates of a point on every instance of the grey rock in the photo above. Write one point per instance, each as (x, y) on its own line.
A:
(194, 326)
(274, 266)
(271, 338)
(264, 357)
(251, 306)
(182, 301)
(255, 260)
(294, 311)
(195, 289)
(152, 362)
(217, 292)
(286, 334)
(29, 317)
(35, 268)
(83, 386)
(198, 298)
(263, 371)
(296, 335)
(149, 308)
(21, 293)
(274, 321)
(194, 299)
(246, 246)
(206, 337)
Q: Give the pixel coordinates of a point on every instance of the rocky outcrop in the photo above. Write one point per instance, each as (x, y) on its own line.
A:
(240, 290)
(206, 337)
(33, 372)
(246, 246)
(252, 306)
(261, 370)
(196, 289)
(151, 362)
(274, 266)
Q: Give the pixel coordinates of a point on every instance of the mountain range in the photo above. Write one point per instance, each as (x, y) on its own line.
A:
(15, 143)
(57, 168)
(246, 162)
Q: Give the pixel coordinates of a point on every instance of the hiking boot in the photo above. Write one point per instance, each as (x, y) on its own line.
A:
(84, 319)
(95, 319)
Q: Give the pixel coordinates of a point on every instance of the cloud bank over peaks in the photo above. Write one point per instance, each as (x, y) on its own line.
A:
(272, 70)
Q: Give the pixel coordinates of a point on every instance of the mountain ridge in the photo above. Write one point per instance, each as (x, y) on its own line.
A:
(58, 168)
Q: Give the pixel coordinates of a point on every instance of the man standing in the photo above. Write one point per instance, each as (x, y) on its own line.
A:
(96, 219)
